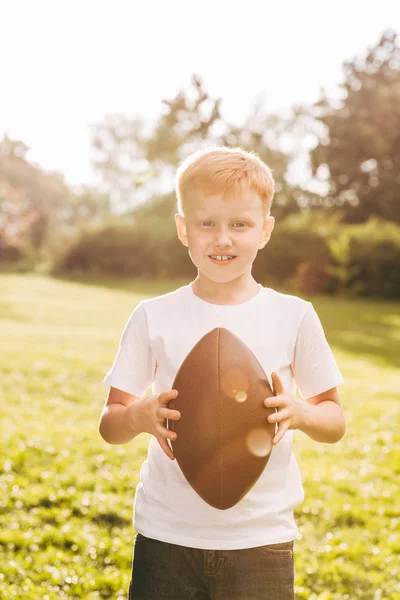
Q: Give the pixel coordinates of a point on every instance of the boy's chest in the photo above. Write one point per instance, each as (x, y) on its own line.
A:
(265, 339)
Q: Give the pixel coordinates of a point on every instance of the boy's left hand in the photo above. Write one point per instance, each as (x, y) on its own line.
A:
(290, 409)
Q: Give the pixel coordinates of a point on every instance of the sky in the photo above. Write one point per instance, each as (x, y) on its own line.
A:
(67, 64)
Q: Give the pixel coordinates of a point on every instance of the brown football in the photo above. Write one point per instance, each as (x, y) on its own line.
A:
(224, 440)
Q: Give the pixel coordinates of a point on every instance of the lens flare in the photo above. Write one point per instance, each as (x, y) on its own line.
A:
(235, 384)
(258, 442)
(240, 396)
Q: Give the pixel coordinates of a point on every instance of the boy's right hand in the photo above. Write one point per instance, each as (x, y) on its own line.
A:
(155, 412)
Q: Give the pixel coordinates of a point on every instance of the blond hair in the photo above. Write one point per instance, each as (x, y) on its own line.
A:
(225, 171)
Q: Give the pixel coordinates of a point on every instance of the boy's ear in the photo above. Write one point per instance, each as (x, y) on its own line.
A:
(266, 232)
(181, 229)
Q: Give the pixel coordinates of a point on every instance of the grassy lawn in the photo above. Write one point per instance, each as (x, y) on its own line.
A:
(66, 496)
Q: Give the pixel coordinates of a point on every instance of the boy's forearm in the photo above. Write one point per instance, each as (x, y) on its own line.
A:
(116, 428)
(323, 422)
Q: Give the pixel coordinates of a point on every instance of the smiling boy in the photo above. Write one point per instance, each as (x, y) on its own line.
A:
(184, 548)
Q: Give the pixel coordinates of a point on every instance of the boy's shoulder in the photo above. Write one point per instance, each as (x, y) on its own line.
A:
(289, 300)
(168, 299)
(287, 307)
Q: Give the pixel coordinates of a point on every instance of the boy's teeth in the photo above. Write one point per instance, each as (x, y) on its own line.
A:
(222, 257)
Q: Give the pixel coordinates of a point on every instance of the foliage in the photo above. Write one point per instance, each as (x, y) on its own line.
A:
(367, 259)
(289, 250)
(337, 258)
(16, 258)
(144, 249)
(310, 252)
(136, 160)
(11, 254)
(311, 278)
(67, 495)
(38, 208)
(360, 141)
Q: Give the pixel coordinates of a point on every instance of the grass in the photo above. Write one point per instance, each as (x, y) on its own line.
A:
(66, 495)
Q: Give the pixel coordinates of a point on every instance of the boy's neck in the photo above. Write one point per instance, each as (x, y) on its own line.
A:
(233, 292)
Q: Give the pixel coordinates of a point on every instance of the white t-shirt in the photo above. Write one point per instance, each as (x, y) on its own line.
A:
(286, 335)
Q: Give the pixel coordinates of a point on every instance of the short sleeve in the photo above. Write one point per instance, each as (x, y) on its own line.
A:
(134, 366)
(314, 366)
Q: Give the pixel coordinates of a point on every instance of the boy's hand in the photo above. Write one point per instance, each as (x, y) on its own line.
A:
(290, 409)
(156, 411)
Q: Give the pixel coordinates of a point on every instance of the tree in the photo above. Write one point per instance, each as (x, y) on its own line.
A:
(135, 159)
(359, 148)
(139, 164)
(37, 207)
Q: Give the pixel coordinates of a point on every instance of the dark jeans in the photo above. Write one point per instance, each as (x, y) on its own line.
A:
(164, 571)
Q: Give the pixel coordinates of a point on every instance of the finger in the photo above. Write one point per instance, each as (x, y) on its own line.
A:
(167, 413)
(282, 429)
(166, 433)
(278, 385)
(165, 397)
(278, 416)
(275, 401)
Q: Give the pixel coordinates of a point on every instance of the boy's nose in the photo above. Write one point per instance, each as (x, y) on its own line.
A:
(222, 239)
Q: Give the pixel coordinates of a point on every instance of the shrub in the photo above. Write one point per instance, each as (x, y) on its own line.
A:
(372, 266)
(312, 254)
(17, 258)
(297, 256)
(141, 250)
(11, 254)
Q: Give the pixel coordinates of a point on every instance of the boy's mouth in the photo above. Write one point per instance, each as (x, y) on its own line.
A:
(222, 259)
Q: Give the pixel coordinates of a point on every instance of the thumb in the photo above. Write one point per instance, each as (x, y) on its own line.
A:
(278, 385)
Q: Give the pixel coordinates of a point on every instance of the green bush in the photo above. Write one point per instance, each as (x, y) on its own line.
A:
(146, 249)
(113, 249)
(290, 250)
(11, 254)
(17, 258)
(311, 253)
(317, 253)
(369, 259)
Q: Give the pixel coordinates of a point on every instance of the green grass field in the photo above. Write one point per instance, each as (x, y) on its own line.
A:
(66, 495)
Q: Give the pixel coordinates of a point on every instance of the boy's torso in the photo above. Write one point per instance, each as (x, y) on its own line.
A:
(166, 507)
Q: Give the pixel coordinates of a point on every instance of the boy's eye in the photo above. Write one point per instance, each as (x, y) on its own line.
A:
(237, 223)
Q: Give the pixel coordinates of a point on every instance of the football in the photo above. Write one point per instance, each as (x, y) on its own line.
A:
(224, 439)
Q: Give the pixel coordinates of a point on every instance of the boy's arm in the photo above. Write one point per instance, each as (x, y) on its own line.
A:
(323, 417)
(118, 425)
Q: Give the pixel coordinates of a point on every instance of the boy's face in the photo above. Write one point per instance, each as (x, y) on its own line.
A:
(213, 226)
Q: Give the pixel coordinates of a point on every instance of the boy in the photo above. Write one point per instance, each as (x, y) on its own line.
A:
(185, 548)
